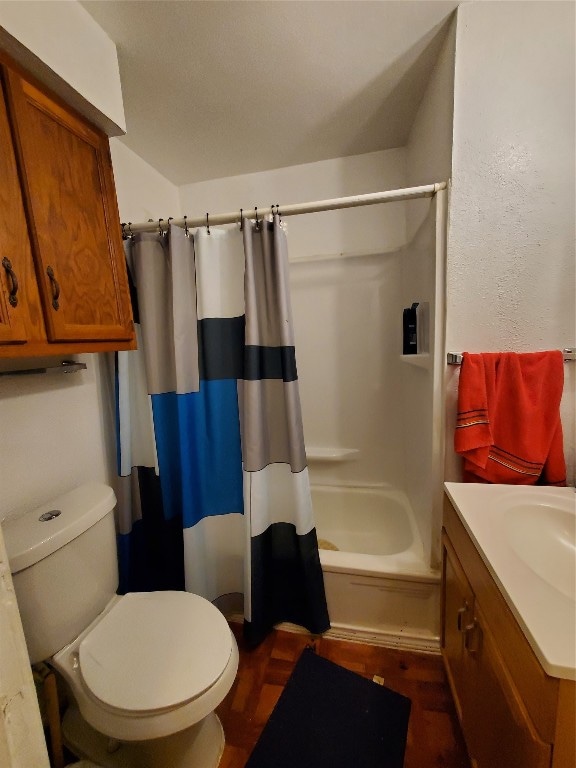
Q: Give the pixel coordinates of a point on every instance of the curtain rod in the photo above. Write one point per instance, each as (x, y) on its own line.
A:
(374, 198)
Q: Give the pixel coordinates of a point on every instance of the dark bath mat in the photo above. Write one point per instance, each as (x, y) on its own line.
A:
(329, 717)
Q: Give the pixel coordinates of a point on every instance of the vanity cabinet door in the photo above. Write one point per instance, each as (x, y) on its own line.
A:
(457, 607)
(499, 732)
(68, 187)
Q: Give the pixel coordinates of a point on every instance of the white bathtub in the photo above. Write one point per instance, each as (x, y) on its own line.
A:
(378, 584)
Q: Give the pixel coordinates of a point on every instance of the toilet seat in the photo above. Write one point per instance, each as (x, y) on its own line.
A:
(155, 651)
(180, 682)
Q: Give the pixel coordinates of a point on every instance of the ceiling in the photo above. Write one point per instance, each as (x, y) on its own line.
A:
(216, 88)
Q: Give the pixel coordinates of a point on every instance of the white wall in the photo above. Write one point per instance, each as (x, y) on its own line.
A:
(511, 258)
(65, 48)
(345, 309)
(142, 192)
(362, 230)
(428, 160)
(52, 434)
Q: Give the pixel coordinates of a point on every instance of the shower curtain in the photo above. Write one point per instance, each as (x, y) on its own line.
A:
(214, 494)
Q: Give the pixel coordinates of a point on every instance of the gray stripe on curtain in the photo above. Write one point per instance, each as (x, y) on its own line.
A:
(266, 287)
(271, 424)
(165, 278)
(129, 507)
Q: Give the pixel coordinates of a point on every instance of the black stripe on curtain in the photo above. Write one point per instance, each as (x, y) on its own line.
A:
(287, 582)
(221, 348)
(270, 363)
(152, 554)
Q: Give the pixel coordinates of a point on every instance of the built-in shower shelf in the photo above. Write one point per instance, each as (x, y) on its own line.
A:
(422, 360)
(331, 454)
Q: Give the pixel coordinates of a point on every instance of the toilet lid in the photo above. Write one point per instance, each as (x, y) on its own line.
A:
(155, 650)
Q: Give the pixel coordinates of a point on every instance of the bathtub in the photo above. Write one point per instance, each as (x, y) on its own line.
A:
(379, 587)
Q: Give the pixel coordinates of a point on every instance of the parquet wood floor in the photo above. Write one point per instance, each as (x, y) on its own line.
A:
(434, 736)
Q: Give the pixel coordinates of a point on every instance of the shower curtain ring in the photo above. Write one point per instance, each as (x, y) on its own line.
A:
(130, 233)
(168, 225)
(186, 227)
(160, 226)
(207, 224)
(279, 214)
(241, 219)
(124, 235)
(257, 222)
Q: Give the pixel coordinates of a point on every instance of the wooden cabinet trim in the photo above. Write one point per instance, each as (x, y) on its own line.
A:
(14, 240)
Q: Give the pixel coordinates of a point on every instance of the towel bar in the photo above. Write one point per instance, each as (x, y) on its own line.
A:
(65, 366)
(455, 358)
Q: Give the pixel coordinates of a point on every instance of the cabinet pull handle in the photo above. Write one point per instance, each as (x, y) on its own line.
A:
(12, 298)
(472, 637)
(55, 287)
(460, 617)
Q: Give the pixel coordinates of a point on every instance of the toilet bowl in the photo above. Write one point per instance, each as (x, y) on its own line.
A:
(152, 664)
(145, 670)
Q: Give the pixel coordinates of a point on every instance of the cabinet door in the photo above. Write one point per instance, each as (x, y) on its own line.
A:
(499, 732)
(73, 218)
(457, 606)
(16, 267)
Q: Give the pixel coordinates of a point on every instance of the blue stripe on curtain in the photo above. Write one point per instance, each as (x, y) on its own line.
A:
(199, 455)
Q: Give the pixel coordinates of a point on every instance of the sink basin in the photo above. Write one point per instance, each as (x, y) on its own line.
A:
(543, 535)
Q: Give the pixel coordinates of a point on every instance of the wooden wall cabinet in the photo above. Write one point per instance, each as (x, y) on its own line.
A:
(513, 714)
(63, 281)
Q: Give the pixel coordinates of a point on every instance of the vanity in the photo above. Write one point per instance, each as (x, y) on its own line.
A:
(509, 622)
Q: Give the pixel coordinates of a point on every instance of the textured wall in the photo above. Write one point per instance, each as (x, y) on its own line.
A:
(511, 254)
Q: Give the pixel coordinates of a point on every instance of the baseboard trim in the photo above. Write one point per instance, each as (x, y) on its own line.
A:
(421, 643)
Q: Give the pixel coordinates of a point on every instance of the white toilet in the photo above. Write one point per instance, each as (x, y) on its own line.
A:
(146, 670)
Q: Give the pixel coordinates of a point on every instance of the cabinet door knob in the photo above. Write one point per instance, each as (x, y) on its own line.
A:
(55, 288)
(12, 297)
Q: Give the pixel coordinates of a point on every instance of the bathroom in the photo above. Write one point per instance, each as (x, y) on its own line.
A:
(57, 434)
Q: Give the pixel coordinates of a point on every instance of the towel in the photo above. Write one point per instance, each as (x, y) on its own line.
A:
(508, 427)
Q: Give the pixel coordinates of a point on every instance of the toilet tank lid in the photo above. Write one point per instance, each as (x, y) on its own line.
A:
(34, 535)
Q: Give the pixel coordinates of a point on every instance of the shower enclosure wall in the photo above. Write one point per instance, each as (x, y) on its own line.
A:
(368, 412)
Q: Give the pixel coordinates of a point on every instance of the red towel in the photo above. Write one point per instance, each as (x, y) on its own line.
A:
(508, 428)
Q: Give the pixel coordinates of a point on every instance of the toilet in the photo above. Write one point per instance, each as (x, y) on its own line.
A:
(145, 670)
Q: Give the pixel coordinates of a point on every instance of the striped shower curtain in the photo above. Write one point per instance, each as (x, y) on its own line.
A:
(214, 494)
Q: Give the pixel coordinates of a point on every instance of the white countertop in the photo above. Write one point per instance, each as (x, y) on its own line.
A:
(526, 536)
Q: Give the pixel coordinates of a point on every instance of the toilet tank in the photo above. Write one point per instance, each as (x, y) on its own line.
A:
(64, 565)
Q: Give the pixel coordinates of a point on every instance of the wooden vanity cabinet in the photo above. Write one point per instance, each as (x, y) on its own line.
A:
(63, 281)
(513, 714)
